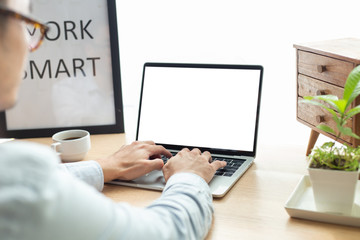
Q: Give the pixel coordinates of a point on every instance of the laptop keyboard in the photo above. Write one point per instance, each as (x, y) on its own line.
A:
(231, 165)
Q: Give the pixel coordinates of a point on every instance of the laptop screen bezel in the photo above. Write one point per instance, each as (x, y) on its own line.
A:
(214, 66)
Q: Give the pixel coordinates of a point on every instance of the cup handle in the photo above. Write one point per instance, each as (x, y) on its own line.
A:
(54, 146)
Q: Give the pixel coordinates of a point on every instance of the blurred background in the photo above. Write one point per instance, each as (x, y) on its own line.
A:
(231, 32)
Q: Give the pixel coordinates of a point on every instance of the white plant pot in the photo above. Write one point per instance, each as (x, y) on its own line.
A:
(334, 190)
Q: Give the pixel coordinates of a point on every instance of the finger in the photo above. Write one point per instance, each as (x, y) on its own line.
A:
(208, 156)
(159, 150)
(151, 165)
(183, 151)
(149, 142)
(196, 150)
(155, 156)
(218, 164)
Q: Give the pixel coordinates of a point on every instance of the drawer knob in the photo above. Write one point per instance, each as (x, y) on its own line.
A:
(321, 68)
(320, 118)
(320, 92)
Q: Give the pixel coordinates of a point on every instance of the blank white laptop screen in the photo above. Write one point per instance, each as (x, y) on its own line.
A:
(206, 107)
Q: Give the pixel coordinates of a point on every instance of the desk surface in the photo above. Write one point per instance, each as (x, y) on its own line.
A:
(254, 207)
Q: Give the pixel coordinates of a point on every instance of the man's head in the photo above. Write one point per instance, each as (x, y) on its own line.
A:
(13, 51)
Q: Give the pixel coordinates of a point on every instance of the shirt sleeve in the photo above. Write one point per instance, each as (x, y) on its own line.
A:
(87, 171)
(73, 210)
(184, 211)
(185, 208)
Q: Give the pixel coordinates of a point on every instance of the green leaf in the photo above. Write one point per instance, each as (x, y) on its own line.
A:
(326, 128)
(330, 99)
(348, 132)
(341, 105)
(308, 97)
(308, 100)
(352, 112)
(322, 97)
(328, 145)
(352, 86)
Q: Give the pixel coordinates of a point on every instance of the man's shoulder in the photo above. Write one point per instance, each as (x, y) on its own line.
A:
(27, 189)
(26, 159)
(27, 150)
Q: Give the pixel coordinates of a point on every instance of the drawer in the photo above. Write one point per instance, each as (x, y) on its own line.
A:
(308, 86)
(328, 69)
(314, 115)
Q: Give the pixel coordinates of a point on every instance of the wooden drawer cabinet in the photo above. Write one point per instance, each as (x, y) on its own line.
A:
(322, 68)
(330, 70)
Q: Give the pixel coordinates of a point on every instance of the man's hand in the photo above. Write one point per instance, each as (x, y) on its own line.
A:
(134, 160)
(194, 162)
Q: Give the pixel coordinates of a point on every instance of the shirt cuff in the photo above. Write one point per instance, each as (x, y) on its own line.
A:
(87, 171)
(189, 178)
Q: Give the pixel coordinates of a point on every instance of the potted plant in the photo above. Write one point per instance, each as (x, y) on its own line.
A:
(334, 170)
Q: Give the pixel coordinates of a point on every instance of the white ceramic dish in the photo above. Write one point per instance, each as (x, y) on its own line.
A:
(301, 205)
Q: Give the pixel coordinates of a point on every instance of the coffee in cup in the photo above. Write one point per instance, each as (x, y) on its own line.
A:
(71, 145)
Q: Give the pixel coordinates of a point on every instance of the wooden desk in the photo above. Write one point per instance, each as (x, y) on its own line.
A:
(254, 207)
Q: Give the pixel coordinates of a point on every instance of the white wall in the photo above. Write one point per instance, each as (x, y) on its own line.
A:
(229, 31)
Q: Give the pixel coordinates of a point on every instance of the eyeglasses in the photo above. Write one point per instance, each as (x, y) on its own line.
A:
(35, 30)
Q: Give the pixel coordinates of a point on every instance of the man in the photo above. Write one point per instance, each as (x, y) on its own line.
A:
(40, 199)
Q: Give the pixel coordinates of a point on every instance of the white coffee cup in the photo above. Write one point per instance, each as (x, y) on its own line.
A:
(71, 145)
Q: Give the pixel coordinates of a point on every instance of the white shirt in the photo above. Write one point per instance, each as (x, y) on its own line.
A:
(40, 201)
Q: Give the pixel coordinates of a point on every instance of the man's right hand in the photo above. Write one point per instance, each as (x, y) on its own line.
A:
(194, 162)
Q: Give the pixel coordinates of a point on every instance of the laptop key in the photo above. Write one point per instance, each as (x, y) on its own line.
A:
(231, 166)
(164, 158)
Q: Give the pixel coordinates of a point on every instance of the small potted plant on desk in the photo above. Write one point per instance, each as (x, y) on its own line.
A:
(333, 170)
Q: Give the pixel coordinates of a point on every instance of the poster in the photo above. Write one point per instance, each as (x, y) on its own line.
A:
(73, 79)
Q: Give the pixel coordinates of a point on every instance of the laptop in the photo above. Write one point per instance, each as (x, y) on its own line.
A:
(208, 106)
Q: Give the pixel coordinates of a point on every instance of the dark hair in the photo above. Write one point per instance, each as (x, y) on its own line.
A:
(2, 17)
